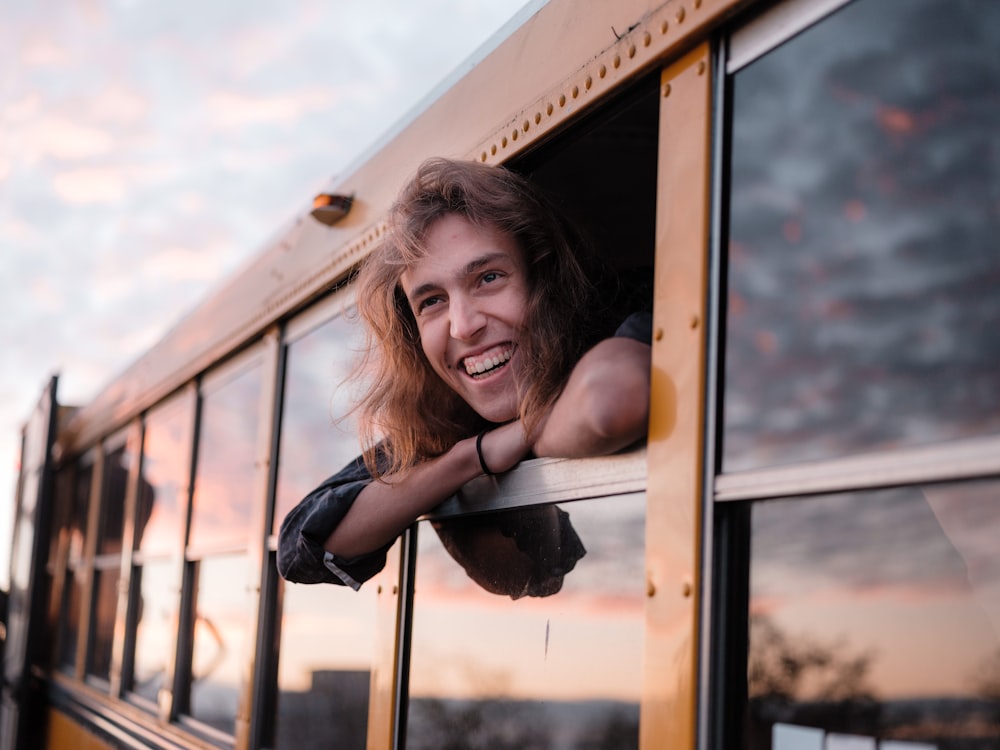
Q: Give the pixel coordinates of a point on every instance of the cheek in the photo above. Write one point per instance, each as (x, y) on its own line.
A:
(433, 346)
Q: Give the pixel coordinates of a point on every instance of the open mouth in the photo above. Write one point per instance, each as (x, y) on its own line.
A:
(487, 363)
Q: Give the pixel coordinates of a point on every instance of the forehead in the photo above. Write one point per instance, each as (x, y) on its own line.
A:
(454, 247)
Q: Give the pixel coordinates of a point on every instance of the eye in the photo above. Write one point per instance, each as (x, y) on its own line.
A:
(428, 302)
(490, 276)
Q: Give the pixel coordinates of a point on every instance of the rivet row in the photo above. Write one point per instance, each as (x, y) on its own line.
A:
(574, 92)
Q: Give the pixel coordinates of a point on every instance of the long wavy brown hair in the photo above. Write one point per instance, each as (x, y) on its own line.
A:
(407, 414)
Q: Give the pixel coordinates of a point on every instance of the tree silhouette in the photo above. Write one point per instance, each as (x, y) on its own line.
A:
(785, 669)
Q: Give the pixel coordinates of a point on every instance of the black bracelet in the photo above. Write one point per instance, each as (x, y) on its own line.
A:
(479, 452)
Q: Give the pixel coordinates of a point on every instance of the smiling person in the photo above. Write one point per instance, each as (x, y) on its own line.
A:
(489, 340)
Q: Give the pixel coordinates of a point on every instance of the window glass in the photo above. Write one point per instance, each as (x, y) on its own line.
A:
(863, 218)
(116, 467)
(313, 412)
(156, 614)
(528, 628)
(102, 620)
(222, 623)
(226, 470)
(877, 614)
(78, 515)
(69, 621)
(323, 692)
(166, 463)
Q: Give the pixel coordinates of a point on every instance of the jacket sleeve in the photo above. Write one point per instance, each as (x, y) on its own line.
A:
(301, 556)
(638, 326)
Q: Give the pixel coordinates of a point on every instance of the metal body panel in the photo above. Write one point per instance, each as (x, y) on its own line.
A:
(675, 450)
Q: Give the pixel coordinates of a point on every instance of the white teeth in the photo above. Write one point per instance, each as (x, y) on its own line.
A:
(486, 363)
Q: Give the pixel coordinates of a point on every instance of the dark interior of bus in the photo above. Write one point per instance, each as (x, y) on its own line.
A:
(601, 173)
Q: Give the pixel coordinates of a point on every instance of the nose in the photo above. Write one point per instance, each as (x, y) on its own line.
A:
(467, 320)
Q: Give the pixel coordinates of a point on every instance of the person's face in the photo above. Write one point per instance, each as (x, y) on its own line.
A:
(469, 294)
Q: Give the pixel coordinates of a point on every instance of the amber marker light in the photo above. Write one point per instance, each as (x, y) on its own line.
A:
(329, 208)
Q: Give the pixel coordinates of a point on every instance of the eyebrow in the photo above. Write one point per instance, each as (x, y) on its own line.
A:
(470, 268)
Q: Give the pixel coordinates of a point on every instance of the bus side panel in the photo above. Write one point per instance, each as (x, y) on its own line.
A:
(65, 733)
(676, 428)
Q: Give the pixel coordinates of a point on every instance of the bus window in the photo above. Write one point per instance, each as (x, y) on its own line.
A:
(877, 614)
(71, 593)
(863, 218)
(536, 642)
(161, 507)
(107, 564)
(219, 582)
(322, 692)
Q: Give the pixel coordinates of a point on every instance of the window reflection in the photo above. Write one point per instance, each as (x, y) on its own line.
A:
(878, 614)
(107, 564)
(166, 465)
(156, 614)
(69, 611)
(322, 693)
(313, 412)
(559, 670)
(226, 469)
(223, 604)
(102, 619)
(116, 466)
(863, 264)
(155, 590)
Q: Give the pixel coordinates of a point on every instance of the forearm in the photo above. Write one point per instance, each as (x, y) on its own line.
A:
(385, 508)
(605, 404)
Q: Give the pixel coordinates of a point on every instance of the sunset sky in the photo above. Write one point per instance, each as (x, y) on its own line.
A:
(149, 149)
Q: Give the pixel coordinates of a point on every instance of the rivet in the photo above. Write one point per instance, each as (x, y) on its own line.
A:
(650, 587)
(538, 117)
(602, 71)
(701, 67)
(647, 39)
(575, 92)
(687, 589)
(694, 322)
(697, 4)
(658, 335)
(562, 100)
(588, 83)
(548, 108)
(482, 156)
(616, 61)
(666, 89)
(664, 27)
(513, 135)
(493, 149)
(680, 15)
(395, 590)
(631, 50)
(379, 589)
(525, 125)
(503, 142)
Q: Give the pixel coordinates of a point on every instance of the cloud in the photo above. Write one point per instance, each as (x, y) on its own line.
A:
(64, 139)
(42, 50)
(184, 264)
(230, 110)
(119, 105)
(91, 185)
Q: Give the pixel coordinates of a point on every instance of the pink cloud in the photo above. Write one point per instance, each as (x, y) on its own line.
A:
(229, 110)
(67, 140)
(106, 185)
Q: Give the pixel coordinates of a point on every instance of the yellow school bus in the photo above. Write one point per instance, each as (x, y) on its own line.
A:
(804, 552)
